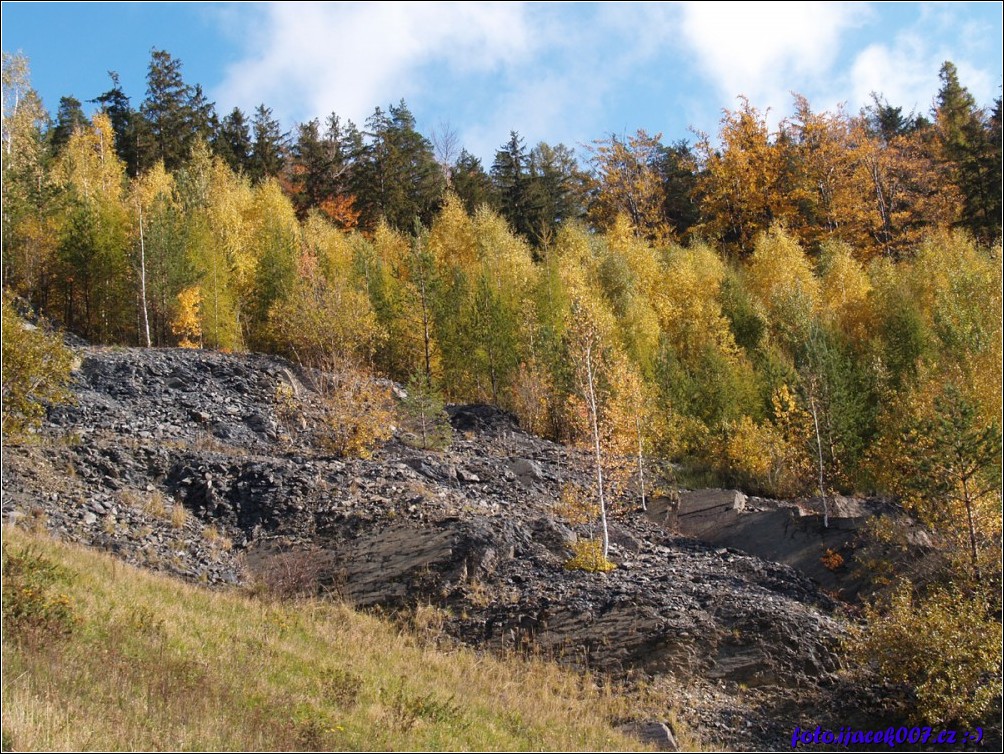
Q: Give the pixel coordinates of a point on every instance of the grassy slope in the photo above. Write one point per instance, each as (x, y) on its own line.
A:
(154, 663)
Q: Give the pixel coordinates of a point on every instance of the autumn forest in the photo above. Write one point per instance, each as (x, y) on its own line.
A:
(800, 309)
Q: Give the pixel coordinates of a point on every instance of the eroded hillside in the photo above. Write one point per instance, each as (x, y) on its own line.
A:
(205, 465)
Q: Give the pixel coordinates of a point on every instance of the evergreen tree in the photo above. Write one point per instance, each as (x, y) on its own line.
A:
(166, 111)
(471, 183)
(956, 471)
(69, 118)
(343, 145)
(311, 168)
(232, 141)
(398, 179)
(887, 122)
(968, 147)
(426, 422)
(268, 150)
(115, 104)
(556, 191)
(518, 202)
(202, 120)
(677, 167)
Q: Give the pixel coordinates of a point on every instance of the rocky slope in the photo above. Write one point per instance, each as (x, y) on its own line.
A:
(201, 464)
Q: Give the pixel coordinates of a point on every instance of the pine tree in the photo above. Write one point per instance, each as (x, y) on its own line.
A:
(268, 150)
(232, 142)
(957, 469)
(166, 111)
(312, 168)
(968, 148)
(69, 118)
(471, 183)
(556, 191)
(115, 104)
(426, 422)
(519, 204)
(398, 178)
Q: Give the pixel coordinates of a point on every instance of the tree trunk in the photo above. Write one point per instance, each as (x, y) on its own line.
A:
(641, 465)
(596, 447)
(819, 457)
(973, 550)
(142, 278)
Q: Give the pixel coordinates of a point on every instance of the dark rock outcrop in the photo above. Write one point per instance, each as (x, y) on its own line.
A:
(191, 462)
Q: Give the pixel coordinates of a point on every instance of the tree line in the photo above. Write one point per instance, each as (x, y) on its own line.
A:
(755, 287)
(876, 179)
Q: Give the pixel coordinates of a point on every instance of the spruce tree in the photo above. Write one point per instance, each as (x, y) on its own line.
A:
(427, 425)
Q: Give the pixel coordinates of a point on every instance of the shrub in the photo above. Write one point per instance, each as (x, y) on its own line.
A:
(358, 411)
(294, 574)
(36, 372)
(944, 648)
(831, 559)
(33, 611)
(588, 556)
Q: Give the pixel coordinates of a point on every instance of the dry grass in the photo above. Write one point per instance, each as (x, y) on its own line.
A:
(179, 515)
(215, 537)
(155, 663)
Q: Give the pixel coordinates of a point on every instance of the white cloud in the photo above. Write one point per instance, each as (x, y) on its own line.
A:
(573, 72)
(545, 70)
(897, 72)
(905, 73)
(309, 59)
(765, 50)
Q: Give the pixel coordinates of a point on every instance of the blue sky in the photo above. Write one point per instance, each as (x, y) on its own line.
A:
(569, 72)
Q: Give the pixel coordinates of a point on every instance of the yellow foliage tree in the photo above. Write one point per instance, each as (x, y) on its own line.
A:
(187, 322)
(319, 320)
(36, 372)
(688, 303)
(588, 347)
(771, 457)
(633, 425)
(358, 410)
(95, 277)
(532, 397)
(742, 188)
(630, 185)
(452, 236)
(905, 191)
(781, 280)
(845, 293)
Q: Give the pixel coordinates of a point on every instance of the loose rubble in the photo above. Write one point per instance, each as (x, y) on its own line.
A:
(192, 463)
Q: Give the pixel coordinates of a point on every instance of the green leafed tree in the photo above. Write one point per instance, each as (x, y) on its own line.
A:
(956, 472)
(31, 218)
(127, 125)
(471, 183)
(166, 111)
(944, 647)
(398, 178)
(69, 117)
